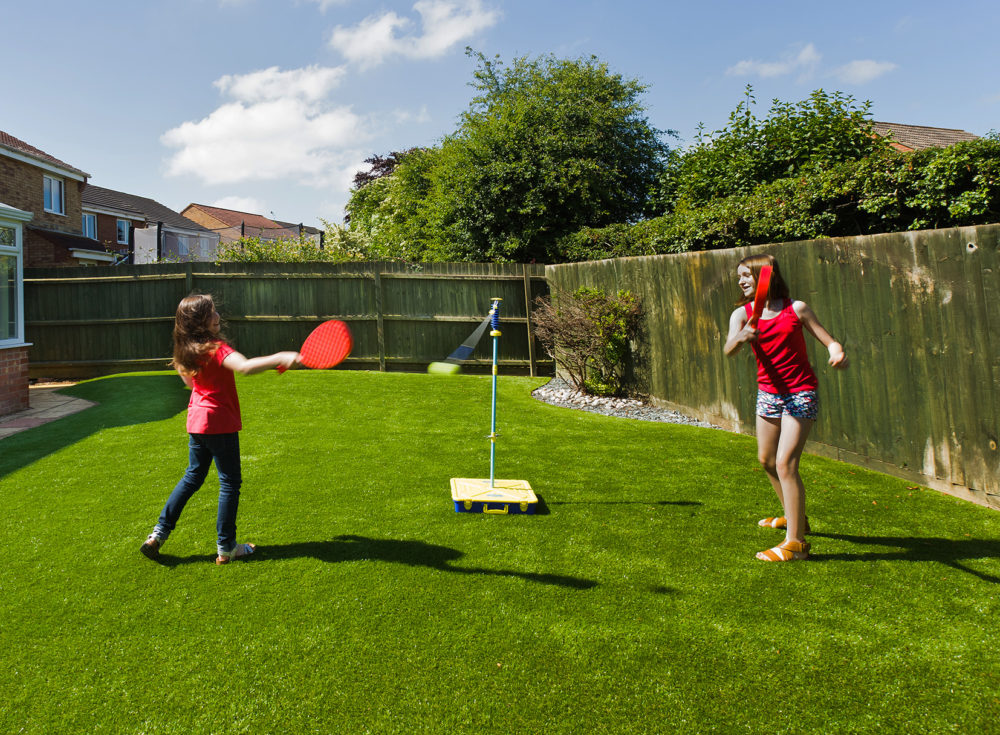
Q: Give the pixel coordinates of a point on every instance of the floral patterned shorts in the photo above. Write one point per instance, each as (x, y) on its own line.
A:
(801, 405)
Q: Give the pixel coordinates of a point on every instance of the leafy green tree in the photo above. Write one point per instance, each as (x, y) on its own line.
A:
(795, 138)
(284, 250)
(398, 215)
(546, 147)
(888, 191)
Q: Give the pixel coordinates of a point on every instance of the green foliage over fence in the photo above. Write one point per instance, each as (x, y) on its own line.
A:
(918, 315)
(90, 321)
(815, 168)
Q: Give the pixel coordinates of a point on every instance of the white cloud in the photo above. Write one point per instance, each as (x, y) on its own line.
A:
(279, 125)
(240, 204)
(862, 70)
(371, 41)
(311, 84)
(443, 24)
(803, 63)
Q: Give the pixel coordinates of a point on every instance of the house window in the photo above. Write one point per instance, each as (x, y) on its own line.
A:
(10, 285)
(90, 226)
(123, 225)
(55, 201)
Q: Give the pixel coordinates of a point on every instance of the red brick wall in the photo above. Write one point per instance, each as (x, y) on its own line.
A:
(21, 187)
(13, 380)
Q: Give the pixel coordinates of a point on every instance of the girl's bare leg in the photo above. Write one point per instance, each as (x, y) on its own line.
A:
(792, 437)
(768, 438)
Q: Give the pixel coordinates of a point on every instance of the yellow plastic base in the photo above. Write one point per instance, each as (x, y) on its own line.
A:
(506, 496)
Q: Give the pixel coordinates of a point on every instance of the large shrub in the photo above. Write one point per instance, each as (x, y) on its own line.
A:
(588, 333)
(887, 191)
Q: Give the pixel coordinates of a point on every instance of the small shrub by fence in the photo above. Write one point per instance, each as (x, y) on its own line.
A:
(84, 322)
(917, 312)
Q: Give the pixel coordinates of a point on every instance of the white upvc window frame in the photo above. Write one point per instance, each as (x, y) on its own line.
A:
(14, 219)
(91, 218)
(118, 226)
(51, 203)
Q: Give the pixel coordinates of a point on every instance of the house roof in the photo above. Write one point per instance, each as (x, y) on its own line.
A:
(67, 239)
(17, 145)
(99, 197)
(305, 228)
(234, 218)
(150, 209)
(918, 137)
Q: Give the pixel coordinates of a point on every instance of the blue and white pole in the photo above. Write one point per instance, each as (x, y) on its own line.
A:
(495, 334)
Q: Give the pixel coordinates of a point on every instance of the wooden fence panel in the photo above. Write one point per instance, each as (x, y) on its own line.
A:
(88, 321)
(918, 313)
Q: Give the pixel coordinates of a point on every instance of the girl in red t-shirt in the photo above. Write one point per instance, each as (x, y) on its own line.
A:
(206, 365)
(786, 393)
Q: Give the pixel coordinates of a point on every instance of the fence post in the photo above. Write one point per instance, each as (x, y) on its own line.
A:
(189, 278)
(379, 323)
(527, 314)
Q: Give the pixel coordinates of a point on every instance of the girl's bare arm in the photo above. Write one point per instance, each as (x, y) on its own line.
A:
(838, 358)
(238, 363)
(740, 331)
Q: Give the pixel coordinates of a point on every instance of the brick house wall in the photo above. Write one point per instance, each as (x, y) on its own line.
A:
(21, 186)
(13, 380)
(107, 230)
(203, 218)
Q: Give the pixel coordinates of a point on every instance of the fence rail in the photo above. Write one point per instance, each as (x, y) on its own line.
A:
(83, 323)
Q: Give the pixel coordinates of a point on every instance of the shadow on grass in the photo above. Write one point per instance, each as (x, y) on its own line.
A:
(122, 400)
(944, 551)
(628, 502)
(411, 553)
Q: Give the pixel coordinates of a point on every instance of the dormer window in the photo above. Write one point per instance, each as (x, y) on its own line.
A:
(55, 201)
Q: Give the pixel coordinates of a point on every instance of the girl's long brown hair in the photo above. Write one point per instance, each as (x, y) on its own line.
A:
(778, 288)
(195, 337)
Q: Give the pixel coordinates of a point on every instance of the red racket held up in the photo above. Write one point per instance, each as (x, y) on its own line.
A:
(760, 297)
(326, 346)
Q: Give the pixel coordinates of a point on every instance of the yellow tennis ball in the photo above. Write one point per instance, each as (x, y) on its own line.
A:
(444, 368)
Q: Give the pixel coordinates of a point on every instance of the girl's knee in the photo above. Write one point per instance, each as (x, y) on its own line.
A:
(787, 467)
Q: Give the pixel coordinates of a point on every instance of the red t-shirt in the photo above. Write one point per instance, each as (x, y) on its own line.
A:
(214, 407)
(782, 363)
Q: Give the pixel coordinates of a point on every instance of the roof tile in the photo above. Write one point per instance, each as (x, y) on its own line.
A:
(19, 146)
(918, 137)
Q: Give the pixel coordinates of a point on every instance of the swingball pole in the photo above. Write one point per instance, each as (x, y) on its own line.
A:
(497, 497)
(495, 334)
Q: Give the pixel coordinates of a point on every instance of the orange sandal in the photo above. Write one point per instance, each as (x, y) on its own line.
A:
(780, 522)
(786, 551)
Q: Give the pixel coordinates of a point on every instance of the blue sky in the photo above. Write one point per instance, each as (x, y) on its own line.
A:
(270, 106)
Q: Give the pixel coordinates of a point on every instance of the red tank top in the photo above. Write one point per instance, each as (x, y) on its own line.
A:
(782, 363)
(214, 407)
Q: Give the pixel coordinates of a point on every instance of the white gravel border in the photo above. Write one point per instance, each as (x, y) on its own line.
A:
(558, 392)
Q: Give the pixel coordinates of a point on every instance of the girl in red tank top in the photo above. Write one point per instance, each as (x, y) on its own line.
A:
(206, 364)
(786, 393)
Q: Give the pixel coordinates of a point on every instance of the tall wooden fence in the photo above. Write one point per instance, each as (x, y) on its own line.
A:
(919, 314)
(84, 322)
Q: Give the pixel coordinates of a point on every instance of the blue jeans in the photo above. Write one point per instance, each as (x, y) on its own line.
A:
(224, 449)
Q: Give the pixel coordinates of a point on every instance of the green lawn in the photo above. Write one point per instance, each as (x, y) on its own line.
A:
(632, 603)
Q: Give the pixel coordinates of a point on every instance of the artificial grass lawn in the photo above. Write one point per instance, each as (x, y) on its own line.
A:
(634, 604)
